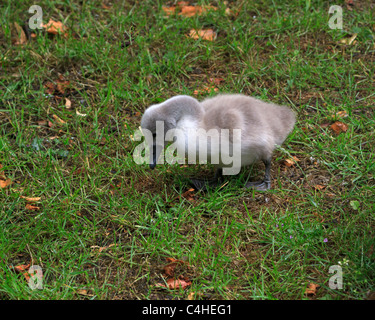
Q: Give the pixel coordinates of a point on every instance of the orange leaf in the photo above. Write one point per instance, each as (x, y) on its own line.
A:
(319, 187)
(207, 34)
(339, 127)
(5, 182)
(58, 119)
(35, 199)
(22, 267)
(190, 11)
(311, 289)
(31, 207)
(55, 27)
(169, 10)
(291, 161)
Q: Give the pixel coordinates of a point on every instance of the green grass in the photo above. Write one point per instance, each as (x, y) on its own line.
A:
(239, 244)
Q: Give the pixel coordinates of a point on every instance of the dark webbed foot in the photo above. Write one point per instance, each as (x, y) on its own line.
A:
(259, 185)
(266, 183)
(201, 185)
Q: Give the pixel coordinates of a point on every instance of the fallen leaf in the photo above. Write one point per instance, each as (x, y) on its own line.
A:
(50, 87)
(102, 248)
(22, 267)
(31, 199)
(339, 127)
(204, 34)
(81, 114)
(21, 36)
(169, 10)
(171, 266)
(319, 187)
(349, 41)
(175, 284)
(5, 182)
(189, 195)
(291, 161)
(60, 121)
(55, 27)
(29, 206)
(190, 11)
(68, 103)
(311, 289)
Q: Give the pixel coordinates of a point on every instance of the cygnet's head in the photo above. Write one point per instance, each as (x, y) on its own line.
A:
(159, 119)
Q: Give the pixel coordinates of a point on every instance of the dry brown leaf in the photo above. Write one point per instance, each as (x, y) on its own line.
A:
(216, 81)
(5, 182)
(190, 11)
(175, 283)
(55, 27)
(204, 34)
(311, 289)
(22, 267)
(319, 187)
(60, 121)
(291, 161)
(339, 127)
(169, 10)
(171, 266)
(29, 206)
(31, 199)
(62, 84)
(50, 87)
(189, 195)
(21, 36)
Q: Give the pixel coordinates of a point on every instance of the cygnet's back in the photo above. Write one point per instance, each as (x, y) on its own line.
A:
(259, 121)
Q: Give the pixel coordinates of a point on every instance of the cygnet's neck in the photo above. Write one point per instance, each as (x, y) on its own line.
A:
(186, 111)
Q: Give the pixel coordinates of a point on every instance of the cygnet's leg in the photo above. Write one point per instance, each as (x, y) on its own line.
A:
(200, 184)
(266, 183)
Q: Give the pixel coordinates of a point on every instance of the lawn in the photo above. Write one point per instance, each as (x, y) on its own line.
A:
(100, 226)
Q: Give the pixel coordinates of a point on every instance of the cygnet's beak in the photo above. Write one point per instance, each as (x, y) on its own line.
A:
(154, 157)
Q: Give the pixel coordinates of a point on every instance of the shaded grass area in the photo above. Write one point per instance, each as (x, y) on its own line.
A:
(106, 225)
